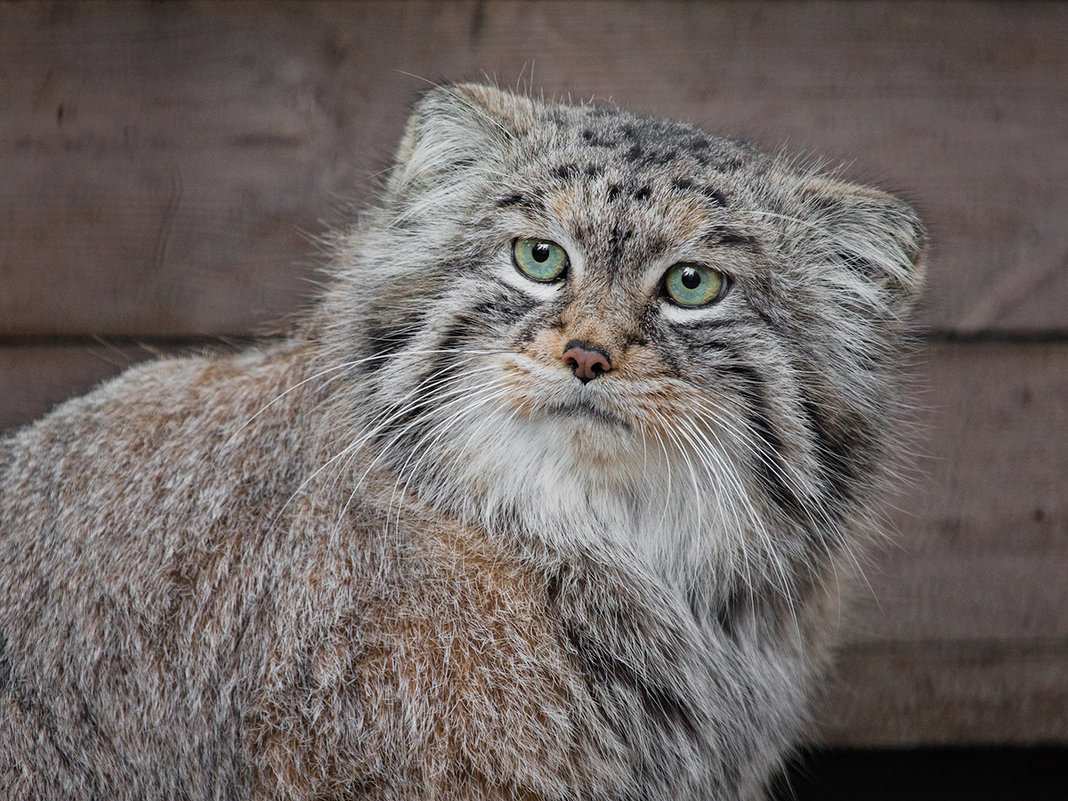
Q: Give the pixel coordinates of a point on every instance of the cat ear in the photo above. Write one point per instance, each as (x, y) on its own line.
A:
(870, 233)
(454, 130)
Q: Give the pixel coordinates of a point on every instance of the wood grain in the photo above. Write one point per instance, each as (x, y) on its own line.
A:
(36, 378)
(930, 695)
(983, 546)
(163, 165)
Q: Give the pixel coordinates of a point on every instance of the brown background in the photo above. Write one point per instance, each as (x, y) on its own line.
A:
(164, 170)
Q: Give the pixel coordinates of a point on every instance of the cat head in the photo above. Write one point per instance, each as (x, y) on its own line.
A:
(575, 313)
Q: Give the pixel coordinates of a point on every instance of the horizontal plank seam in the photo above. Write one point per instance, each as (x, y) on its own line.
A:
(125, 341)
(236, 340)
(939, 337)
(973, 755)
(1035, 646)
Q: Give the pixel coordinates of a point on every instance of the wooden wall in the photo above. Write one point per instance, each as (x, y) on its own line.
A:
(164, 169)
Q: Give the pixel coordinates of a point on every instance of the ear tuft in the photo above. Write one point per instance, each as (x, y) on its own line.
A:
(453, 129)
(872, 234)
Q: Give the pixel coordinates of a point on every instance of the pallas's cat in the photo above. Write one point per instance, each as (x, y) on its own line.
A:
(546, 497)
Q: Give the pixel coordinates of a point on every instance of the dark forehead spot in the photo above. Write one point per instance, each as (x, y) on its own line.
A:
(613, 191)
(657, 142)
(721, 235)
(593, 170)
(662, 157)
(642, 193)
(595, 139)
(652, 141)
(600, 111)
(655, 245)
(717, 196)
(566, 172)
(521, 200)
(557, 116)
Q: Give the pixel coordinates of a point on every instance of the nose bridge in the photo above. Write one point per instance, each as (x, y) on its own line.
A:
(600, 315)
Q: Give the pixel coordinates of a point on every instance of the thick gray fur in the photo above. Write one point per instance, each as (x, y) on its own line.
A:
(406, 554)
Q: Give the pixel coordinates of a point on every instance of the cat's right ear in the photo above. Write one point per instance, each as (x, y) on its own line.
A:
(454, 131)
(873, 234)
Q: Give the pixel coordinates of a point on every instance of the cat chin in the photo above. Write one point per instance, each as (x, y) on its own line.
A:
(586, 418)
(578, 483)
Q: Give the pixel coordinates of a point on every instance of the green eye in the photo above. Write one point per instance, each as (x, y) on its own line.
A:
(691, 285)
(539, 259)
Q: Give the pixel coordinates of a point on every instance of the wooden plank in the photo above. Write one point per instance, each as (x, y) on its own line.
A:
(159, 162)
(963, 639)
(942, 595)
(896, 696)
(983, 547)
(158, 170)
(35, 378)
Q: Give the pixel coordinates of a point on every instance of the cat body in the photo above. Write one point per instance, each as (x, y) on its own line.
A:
(477, 528)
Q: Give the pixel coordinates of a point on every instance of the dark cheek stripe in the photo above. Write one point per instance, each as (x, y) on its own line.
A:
(844, 450)
(442, 369)
(524, 200)
(404, 432)
(385, 340)
(770, 463)
(668, 357)
(843, 453)
(528, 330)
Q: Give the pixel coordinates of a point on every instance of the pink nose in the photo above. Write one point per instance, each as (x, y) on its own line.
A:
(587, 361)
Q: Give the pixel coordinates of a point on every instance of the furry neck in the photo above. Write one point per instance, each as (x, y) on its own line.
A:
(579, 487)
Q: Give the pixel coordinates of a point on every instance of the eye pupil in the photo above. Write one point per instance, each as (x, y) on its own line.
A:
(690, 278)
(540, 252)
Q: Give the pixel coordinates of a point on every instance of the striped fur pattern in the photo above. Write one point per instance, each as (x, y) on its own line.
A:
(407, 554)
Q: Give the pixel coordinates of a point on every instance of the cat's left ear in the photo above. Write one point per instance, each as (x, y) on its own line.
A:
(454, 130)
(870, 233)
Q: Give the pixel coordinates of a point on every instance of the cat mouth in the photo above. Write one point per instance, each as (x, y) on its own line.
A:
(588, 410)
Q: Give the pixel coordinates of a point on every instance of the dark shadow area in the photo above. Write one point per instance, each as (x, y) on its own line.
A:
(979, 774)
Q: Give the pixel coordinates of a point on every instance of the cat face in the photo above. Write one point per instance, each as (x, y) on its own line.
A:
(576, 308)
